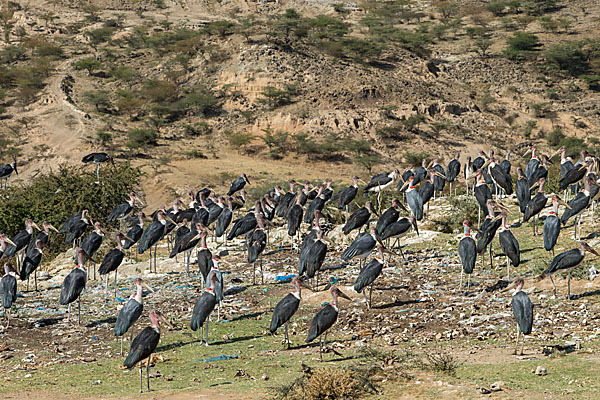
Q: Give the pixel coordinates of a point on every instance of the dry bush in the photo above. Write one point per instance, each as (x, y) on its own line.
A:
(328, 383)
(440, 361)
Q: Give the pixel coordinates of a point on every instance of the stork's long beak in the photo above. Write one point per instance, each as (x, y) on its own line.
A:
(53, 228)
(403, 206)
(416, 227)
(557, 152)
(148, 288)
(344, 295)
(305, 285)
(128, 238)
(502, 206)
(360, 180)
(404, 186)
(436, 173)
(511, 286)
(36, 226)
(564, 203)
(170, 220)
(391, 252)
(164, 320)
(497, 217)
(534, 185)
(527, 152)
(7, 240)
(594, 252)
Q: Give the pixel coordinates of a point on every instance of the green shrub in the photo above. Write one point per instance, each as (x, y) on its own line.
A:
(88, 63)
(415, 159)
(555, 136)
(496, 7)
(56, 195)
(520, 45)
(141, 138)
(568, 57)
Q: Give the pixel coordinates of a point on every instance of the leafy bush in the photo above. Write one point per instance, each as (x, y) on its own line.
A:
(568, 57)
(415, 159)
(141, 138)
(56, 195)
(520, 45)
(555, 136)
(88, 63)
(496, 7)
(273, 97)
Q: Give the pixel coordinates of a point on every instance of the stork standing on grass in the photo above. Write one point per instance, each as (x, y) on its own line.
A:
(522, 309)
(131, 312)
(285, 309)
(73, 285)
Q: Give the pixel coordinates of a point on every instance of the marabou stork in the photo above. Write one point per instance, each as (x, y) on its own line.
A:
(73, 285)
(8, 290)
(43, 235)
(453, 170)
(328, 191)
(467, 252)
(6, 171)
(144, 345)
(510, 245)
(286, 201)
(33, 259)
(218, 285)
(566, 164)
(97, 158)
(214, 210)
(238, 184)
(567, 260)
(305, 193)
(368, 274)
(135, 233)
(577, 206)
(245, 224)
(522, 191)
(439, 179)
(541, 171)
(346, 196)
(488, 230)
(324, 320)
(378, 183)
(482, 194)
(122, 210)
(532, 164)
(427, 189)
(552, 225)
(76, 225)
(398, 229)
(187, 242)
(312, 234)
(131, 312)
(285, 309)
(421, 172)
(522, 309)
(468, 172)
(311, 258)
(205, 262)
(575, 174)
(203, 308)
(153, 234)
(92, 243)
(413, 199)
(21, 241)
(388, 217)
(361, 247)
(359, 218)
(294, 216)
(316, 204)
(5, 242)
(257, 241)
(224, 219)
(478, 161)
(501, 179)
(239, 200)
(535, 205)
(505, 164)
(112, 260)
(404, 178)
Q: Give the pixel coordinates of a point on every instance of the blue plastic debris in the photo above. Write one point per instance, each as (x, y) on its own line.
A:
(94, 339)
(218, 358)
(120, 300)
(333, 280)
(284, 277)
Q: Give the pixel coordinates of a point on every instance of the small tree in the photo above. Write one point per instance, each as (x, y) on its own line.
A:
(482, 45)
(99, 98)
(141, 138)
(88, 63)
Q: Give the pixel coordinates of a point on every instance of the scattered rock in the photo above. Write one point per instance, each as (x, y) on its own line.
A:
(541, 371)
(483, 390)
(496, 386)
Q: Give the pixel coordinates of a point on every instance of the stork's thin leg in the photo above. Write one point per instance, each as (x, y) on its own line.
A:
(479, 216)
(121, 344)
(518, 335)
(254, 273)
(523, 344)
(364, 292)
(94, 270)
(507, 268)
(79, 310)
(155, 264)
(201, 334)
(35, 279)
(371, 296)
(468, 281)
(287, 338)
(106, 290)
(69, 312)
(461, 279)
(148, 373)
(321, 347)
(141, 379)
(115, 282)
(553, 285)
(207, 321)
(262, 274)
(569, 287)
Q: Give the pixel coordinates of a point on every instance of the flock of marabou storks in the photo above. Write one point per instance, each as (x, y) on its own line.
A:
(187, 228)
